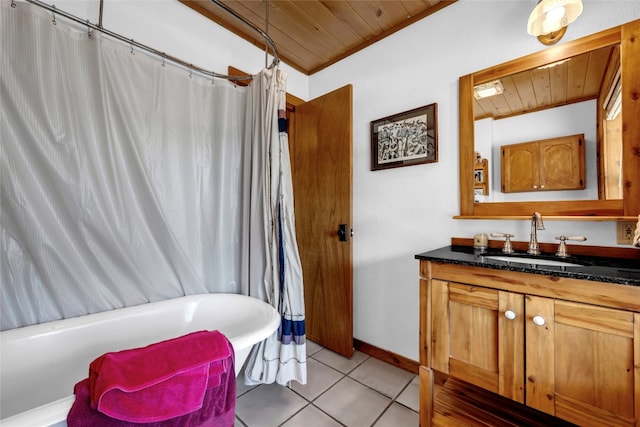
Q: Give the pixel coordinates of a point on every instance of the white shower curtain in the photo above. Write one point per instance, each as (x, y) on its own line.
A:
(124, 179)
(275, 272)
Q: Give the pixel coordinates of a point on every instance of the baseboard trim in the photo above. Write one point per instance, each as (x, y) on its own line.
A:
(387, 356)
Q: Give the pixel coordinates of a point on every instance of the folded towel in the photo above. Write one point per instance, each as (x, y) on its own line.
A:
(217, 410)
(161, 381)
(636, 236)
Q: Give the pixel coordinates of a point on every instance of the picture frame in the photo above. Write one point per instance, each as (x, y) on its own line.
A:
(405, 139)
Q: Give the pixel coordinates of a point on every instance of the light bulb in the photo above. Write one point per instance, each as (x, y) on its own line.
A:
(555, 19)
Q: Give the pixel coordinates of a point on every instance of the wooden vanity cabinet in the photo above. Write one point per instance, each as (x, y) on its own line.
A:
(544, 165)
(519, 336)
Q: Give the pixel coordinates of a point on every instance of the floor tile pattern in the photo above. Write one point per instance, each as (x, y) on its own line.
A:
(340, 392)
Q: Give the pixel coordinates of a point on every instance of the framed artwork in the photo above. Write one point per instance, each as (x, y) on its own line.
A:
(405, 139)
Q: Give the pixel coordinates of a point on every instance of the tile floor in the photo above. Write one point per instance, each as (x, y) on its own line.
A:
(357, 392)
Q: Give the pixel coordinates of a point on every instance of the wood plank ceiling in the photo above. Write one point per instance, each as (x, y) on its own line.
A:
(312, 34)
(576, 80)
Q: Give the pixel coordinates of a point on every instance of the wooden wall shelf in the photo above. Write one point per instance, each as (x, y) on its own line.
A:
(481, 177)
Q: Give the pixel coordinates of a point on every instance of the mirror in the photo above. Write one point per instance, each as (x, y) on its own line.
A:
(549, 102)
(600, 198)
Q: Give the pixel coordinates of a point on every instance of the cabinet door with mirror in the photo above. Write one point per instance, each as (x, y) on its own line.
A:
(586, 86)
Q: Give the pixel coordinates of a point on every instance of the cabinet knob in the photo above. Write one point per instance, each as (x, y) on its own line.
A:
(510, 314)
(538, 320)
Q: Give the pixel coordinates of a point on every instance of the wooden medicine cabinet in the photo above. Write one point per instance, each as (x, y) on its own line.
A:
(545, 165)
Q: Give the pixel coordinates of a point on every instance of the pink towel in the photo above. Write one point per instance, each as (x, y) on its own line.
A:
(218, 409)
(164, 380)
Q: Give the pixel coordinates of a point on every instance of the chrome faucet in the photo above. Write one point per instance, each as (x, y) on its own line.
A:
(562, 247)
(536, 224)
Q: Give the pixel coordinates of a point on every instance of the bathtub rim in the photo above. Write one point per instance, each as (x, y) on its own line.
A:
(49, 414)
(78, 321)
(55, 412)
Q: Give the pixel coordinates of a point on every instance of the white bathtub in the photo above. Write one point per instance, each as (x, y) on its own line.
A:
(40, 364)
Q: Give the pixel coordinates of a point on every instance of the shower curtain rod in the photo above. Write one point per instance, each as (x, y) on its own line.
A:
(164, 56)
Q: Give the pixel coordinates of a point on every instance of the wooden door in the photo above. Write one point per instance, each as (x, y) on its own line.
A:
(322, 183)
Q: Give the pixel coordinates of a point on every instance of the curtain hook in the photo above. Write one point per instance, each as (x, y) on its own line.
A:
(163, 55)
(53, 13)
(88, 30)
(131, 45)
(13, 4)
(190, 73)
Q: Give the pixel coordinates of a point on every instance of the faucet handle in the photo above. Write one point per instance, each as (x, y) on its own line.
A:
(562, 247)
(507, 248)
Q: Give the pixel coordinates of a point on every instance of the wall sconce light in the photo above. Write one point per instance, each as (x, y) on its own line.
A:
(549, 19)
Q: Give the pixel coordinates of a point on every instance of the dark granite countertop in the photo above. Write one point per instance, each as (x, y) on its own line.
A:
(598, 269)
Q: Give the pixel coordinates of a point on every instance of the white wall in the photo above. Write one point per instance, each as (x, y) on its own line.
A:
(401, 212)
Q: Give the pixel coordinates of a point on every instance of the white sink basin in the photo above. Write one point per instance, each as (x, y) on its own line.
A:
(532, 260)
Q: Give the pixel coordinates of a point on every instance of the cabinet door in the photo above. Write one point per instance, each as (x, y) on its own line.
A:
(595, 349)
(520, 167)
(580, 362)
(539, 330)
(562, 164)
(510, 346)
(484, 346)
